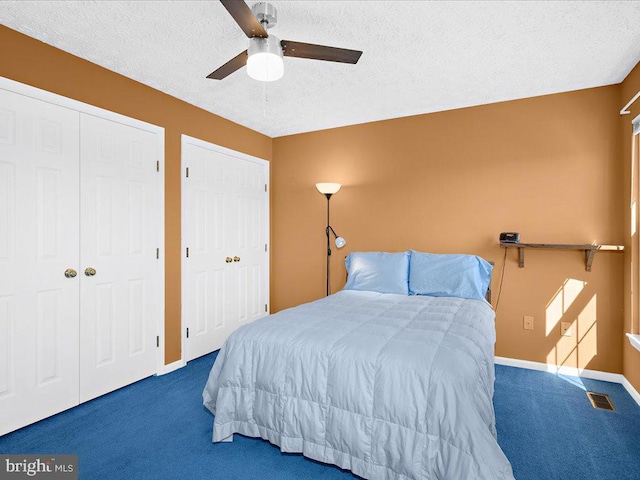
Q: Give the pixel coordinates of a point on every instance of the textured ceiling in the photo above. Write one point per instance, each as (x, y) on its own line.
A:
(419, 56)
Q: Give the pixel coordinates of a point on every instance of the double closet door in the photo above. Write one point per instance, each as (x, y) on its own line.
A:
(78, 236)
(225, 229)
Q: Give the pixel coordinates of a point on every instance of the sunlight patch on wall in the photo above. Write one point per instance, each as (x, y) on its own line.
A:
(563, 353)
(633, 217)
(581, 347)
(561, 302)
(587, 332)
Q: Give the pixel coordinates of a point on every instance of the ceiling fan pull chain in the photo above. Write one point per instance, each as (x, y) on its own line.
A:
(266, 100)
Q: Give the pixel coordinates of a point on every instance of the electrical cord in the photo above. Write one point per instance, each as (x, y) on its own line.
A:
(504, 261)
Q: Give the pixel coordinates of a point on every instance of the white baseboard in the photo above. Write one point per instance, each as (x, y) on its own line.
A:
(632, 391)
(171, 367)
(561, 370)
(573, 372)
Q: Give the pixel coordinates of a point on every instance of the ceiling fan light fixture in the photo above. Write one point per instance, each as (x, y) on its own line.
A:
(265, 59)
(264, 56)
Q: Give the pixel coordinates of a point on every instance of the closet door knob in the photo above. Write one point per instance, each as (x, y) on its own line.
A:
(90, 272)
(236, 259)
(70, 273)
(228, 260)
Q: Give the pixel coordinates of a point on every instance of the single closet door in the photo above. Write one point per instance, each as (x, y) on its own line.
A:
(249, 241)
(39, 305)
(225, 216)
(120, 287)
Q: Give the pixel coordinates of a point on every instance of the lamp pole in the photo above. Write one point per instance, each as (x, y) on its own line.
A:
(328, 195)
(328, 189)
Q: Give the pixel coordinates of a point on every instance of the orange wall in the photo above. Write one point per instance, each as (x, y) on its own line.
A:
(631, 357)
(30, 61)
(547, 167)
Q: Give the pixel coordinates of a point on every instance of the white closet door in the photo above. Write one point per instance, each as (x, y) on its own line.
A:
(225, 213)
(39, 306)
(250, 241)
(119, 231)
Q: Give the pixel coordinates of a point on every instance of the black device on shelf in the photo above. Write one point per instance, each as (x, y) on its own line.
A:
(509, 237)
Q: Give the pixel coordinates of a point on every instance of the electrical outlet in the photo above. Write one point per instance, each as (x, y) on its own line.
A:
(528, 323)
(565, 329)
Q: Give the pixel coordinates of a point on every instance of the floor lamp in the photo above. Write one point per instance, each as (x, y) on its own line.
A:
(329, 189)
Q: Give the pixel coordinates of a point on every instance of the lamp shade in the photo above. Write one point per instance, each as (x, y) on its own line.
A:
(265, 59)
(340, 242)
(328, 188)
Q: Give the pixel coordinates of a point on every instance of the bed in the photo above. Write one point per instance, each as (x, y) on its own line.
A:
(387, 385)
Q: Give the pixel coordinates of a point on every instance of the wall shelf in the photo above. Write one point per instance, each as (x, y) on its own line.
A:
(589, 250)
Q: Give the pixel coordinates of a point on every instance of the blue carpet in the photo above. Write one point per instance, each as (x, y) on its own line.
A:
(549, 430)
(158, 429)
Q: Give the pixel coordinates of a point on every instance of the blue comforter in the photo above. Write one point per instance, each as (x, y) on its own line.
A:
(387, 386)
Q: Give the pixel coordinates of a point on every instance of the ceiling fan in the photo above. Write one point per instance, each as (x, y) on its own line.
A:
(264, 56)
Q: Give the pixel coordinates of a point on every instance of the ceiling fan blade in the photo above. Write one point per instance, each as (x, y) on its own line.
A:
(319, 52)
(231, 66)
(245, 18)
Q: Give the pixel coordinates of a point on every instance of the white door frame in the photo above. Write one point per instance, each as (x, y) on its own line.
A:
(184, 241)
(55, 99)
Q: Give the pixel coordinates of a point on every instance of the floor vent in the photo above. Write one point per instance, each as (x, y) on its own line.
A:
(601, 401)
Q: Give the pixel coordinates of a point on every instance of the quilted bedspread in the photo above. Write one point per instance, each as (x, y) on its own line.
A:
(387, 386)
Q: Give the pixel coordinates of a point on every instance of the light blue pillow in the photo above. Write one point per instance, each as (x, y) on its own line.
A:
(380, 272)
(448, 275)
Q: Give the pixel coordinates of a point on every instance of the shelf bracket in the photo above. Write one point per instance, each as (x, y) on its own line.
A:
(588, 257)
(521, 256)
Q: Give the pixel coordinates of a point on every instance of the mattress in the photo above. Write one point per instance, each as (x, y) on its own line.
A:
(387, 386)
